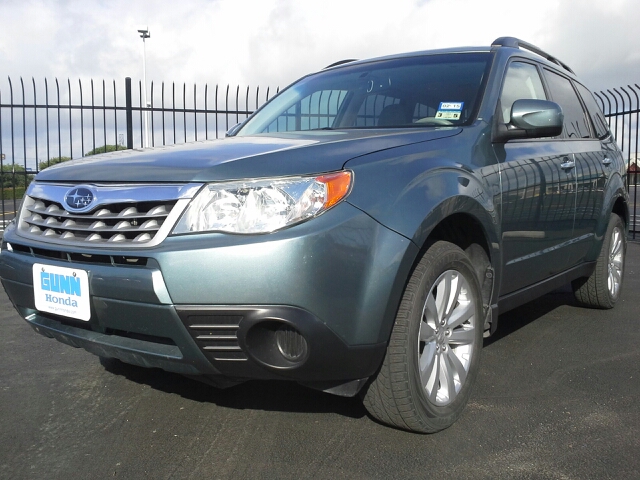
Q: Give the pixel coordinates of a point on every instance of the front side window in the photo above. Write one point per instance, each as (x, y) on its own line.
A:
(522, 81)
(420, 91)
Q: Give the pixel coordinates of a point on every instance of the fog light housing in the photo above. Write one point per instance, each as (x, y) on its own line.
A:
(276, 344)
(291, 343)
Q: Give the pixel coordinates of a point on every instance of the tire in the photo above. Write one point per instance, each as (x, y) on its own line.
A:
(602, 288)
(433, 355)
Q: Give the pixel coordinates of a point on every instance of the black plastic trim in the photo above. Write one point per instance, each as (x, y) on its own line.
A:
(129, 350)
(513, 42)
(341, 62)
(328, 358)
(532, 292)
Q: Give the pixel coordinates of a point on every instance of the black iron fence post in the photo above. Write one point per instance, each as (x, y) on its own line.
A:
(129, 112)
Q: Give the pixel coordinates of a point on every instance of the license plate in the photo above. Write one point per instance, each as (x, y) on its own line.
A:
(62, 291)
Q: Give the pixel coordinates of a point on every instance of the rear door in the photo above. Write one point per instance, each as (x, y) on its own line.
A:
(592, 162)
(604, 158)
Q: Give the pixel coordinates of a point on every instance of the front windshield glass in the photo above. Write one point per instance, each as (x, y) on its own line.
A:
(420, 91)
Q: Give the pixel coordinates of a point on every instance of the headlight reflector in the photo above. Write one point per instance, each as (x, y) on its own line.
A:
(262, 206)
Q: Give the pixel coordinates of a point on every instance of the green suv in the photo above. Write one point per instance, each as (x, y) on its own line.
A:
(358, 234)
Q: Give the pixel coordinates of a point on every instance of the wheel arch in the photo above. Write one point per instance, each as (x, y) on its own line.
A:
(461, 229)
(621, 208)
(616, 202)
(466, 231)
(473, 227)
(468, 228)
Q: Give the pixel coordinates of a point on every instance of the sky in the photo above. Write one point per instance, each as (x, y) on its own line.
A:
(271, 43)
(274, 42)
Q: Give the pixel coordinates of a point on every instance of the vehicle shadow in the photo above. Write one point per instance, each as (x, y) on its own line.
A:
(286, 396)
(520, 317)
(268, 395)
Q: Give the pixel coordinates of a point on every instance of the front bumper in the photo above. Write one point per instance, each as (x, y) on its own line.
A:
(216, 304)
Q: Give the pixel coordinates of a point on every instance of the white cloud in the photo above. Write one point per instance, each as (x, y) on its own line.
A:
(275, 41)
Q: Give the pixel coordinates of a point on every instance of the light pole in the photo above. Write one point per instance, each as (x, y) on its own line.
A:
(144, 34)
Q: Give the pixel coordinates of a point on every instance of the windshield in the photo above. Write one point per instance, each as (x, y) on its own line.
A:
(420, 91)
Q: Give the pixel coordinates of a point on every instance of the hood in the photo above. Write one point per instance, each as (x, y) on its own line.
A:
(232, 158)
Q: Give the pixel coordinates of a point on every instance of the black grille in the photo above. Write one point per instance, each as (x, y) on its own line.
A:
(216, 335)
(132, 261)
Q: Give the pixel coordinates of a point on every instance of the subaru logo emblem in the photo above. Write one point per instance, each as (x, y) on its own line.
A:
(79, 199)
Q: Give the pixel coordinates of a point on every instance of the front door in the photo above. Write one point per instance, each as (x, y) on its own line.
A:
(538, 192)
(538, 204)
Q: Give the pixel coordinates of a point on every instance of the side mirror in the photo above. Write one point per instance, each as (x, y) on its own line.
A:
(530, 119)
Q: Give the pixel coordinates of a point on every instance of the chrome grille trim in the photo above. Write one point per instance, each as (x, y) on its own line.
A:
(124, 216)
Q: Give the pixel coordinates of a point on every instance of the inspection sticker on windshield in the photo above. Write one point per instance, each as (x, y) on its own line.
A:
(62, 291)
(449, 110)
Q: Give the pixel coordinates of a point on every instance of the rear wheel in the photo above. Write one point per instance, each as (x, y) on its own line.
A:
(433, 355)
(602, 288)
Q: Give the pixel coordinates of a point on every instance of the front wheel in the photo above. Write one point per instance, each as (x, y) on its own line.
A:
(433, 355)
(602, 288)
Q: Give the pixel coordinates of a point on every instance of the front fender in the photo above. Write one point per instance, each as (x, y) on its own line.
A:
(412, 191)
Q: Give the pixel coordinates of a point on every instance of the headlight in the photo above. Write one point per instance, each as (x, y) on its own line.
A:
(262, 206)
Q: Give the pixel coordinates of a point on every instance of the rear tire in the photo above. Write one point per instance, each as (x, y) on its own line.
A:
(433, 355)
(602, 288)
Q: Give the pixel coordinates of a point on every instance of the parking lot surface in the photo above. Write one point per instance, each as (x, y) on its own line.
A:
(557, 398)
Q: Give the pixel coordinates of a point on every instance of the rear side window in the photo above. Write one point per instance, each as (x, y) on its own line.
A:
(522, 81)
(599, 122)
(576, 124)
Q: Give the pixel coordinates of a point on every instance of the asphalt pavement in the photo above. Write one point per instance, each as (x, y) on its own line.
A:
(557, 398)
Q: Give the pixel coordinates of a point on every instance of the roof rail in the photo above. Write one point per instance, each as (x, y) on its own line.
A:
(340, 63)
(517, 43)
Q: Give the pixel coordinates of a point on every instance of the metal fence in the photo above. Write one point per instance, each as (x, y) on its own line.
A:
(621, 107)
(41, 125)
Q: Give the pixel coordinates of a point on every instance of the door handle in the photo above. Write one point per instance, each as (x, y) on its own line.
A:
(568, 165)
(606, 161)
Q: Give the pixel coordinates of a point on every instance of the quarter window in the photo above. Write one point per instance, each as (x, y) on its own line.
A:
(599, 123)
